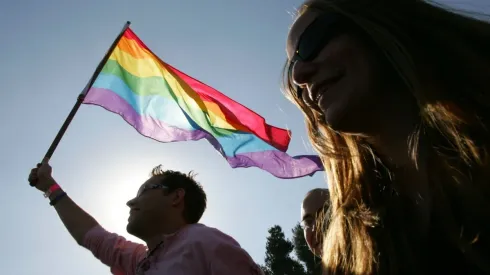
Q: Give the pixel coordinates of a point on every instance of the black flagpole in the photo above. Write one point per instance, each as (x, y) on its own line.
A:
(81, 97)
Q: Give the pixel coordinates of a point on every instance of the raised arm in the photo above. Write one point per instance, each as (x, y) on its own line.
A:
(76, 220)
(113, 250)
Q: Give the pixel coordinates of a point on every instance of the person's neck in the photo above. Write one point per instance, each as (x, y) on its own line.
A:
(153, 241)
(409, 168)
(393, 144)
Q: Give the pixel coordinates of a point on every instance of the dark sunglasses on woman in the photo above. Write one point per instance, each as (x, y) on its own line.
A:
(315, 37)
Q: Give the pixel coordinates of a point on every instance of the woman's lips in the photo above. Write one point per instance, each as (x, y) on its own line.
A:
(323, 88)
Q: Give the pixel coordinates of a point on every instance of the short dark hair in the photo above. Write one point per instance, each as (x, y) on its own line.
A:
(195, 198)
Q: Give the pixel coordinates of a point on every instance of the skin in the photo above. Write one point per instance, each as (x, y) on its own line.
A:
(312, 203)
(339, 102)
(368, 100)
(153, 214)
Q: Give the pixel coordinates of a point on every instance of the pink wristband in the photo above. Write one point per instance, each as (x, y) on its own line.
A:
(51, 189)
(54, 187)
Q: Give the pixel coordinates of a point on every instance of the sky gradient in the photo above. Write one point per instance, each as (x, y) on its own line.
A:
(50, 49)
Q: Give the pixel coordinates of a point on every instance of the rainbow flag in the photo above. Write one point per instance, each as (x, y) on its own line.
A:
(164, 104)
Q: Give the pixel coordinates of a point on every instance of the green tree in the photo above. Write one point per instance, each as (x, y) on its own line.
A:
(278, 260)
(312, 263)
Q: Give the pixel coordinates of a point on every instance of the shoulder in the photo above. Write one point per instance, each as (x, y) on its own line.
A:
(223, 253)
(209, 236)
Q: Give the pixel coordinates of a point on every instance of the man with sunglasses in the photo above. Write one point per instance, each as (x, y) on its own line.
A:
(315, 205)
(165, 214)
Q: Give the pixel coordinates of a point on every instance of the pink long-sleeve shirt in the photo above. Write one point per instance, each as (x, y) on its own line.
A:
(194, 250)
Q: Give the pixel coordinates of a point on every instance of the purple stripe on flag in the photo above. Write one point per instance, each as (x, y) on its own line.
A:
(145, 125)
(275, 162)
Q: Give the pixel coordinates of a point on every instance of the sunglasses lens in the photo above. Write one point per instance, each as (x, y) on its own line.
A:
(317, 35)
(307, 50)
(313, 40)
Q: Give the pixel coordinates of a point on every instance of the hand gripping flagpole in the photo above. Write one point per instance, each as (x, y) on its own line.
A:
(81, 97)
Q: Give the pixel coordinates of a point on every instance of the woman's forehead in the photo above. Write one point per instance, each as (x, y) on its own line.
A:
(298, 27)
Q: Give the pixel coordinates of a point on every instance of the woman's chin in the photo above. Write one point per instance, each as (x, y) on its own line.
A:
(334, 118)
(342, 120)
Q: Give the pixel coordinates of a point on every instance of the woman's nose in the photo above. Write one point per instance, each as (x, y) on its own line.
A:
(302, 72)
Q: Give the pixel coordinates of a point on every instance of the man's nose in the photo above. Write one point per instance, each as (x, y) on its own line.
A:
(131, 202)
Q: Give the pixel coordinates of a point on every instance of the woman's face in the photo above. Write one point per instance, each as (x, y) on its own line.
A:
(339, 75)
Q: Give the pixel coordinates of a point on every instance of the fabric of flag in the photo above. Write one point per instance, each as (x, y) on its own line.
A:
(164, 104)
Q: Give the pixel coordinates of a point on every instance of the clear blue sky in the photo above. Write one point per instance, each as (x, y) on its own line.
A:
(49, 50)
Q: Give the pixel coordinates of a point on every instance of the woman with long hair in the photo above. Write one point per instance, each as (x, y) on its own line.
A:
(396, 97)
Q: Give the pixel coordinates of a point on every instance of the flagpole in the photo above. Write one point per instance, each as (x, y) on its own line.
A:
(81, 96)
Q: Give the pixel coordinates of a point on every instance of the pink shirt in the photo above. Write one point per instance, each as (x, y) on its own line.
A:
(194, 250)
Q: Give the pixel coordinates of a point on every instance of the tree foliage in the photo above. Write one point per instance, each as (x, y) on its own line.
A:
(278, 260)
(312, 263)
(278, 257)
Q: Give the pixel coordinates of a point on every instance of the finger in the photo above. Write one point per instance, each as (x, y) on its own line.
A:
(32, 178)
(45, 160)
(32, 182)
(39, 165)
(34, 172)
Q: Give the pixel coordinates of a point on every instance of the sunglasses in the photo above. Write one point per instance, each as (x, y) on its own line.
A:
(151, 187)
(314, 38)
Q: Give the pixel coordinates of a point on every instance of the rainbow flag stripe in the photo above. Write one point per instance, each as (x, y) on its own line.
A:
(164, 104)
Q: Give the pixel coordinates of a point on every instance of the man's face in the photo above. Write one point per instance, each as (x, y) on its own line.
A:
(152, 205)
(312, 205)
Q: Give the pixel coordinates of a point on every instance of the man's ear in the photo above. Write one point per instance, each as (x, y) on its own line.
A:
(178, 196)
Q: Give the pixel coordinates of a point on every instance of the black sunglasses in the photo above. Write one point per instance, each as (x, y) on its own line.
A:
(314, 38)
(151, 187)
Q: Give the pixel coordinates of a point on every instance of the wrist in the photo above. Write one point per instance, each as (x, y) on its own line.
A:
(50, 189)
(44, 183)
(56, 196)
(55, 193)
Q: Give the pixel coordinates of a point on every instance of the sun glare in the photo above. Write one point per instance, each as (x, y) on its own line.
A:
(123, 186)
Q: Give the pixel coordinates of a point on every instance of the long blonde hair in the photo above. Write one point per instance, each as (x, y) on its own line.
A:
(443, 58)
